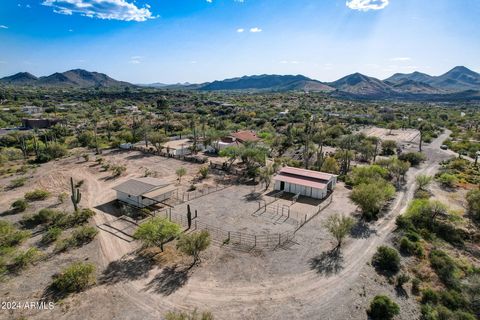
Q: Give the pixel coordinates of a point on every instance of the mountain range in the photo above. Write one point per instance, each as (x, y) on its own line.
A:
(458, 82)
(73, 78)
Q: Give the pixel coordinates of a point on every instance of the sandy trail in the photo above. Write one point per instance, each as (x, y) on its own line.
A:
(249, 300)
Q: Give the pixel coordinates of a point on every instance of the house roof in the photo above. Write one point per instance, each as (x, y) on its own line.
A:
(303, 177)
(141, 186)
(245, 136)
(307, 173)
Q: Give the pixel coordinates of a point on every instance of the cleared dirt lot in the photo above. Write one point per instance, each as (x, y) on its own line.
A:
(399, 135)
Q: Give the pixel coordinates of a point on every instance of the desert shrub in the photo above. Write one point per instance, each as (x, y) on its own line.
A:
(44, 216)
(404, 223)
(450, 233)
(11, 236)
(473, 200)
(429, 296)
(422, 194)
(19, 205)
(445, 267)
(383, 308)
(82, 216)
(37, 195)
(411, 247)
(76, 218)
(453, 300)
(402, 279)
(189, 316)
(80, 236)
(84, 234)
(416, 285)
(203, 171)
(447, 180)
(415, 158)
(25, 258)
(387, 259)
(17, 183)
(51, 235)
(65, 244)
(74, 278)
(62, 197)
(118, 170)
(54, 151)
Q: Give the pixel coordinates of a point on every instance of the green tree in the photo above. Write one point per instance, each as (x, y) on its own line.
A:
(158, 139)
(383, 308)
(180, 173)
(330, 165)
(339, 226)
(156, 232)
(389, 147)
(194, 243)
(371, 197)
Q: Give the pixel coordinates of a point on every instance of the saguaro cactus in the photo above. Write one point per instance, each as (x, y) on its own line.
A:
(189, 216)
(76, 195)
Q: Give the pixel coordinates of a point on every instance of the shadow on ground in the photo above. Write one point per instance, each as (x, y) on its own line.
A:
(169, 280)
(328, 263)
(127, 269)
(362, 230)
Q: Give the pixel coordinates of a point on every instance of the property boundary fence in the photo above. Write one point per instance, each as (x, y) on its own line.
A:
(221, 236)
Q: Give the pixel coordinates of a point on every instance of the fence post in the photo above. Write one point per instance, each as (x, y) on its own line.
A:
(279, 239)
(228, 236)
(195, 224)
(255, 240)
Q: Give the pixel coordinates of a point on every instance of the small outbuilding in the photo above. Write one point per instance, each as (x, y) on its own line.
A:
(144, 192)
(309, 183)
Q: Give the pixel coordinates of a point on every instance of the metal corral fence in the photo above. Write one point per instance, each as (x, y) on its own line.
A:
(220, 236)
(322, 206)
(191, 195)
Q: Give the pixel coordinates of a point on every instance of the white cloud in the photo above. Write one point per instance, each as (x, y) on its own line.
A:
(209, 1)
(401, 59)
(101, 9)
(3, 26)
(255, 30)
(289, 62)
(240, 30)
(365, 5)
(136, 60)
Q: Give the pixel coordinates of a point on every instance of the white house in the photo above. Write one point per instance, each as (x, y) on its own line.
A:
(31, 110)
(313, 184)
(144, 192)
(181, 147)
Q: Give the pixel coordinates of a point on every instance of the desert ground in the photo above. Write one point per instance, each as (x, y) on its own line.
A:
(401, 136)
(303, 279)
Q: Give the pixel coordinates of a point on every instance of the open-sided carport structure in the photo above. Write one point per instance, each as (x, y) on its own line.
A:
(144, 192)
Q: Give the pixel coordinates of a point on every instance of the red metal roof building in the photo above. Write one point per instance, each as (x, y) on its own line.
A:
(309, 183)
(245, 136)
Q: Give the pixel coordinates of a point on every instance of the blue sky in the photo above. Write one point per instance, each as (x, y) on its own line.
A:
(173, 41)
